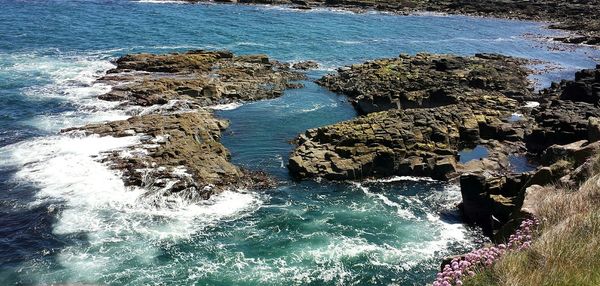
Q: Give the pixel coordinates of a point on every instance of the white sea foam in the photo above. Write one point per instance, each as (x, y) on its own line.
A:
(402, 178)
(347, 42)
(315, 107)
(228, 106)
(328, 10)
(251, 44)
(52, 123)
(115, 219)
(436, 233)
(402, 211)
(70, 79)
(463, 39)
(531, 104)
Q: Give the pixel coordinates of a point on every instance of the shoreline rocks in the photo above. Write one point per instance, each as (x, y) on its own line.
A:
(575, 16)
(565, 139)
(203, 78)
(421, 110)
(169, 96)
(427, 81)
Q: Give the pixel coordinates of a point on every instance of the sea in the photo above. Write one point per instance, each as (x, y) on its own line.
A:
(67, 219)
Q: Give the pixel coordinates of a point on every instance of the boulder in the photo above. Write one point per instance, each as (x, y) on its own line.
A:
(593, 129)
(476, 202)
(532, 195)
(576, 152)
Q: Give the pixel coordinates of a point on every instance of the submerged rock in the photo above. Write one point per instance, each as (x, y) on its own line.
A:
(305, 65)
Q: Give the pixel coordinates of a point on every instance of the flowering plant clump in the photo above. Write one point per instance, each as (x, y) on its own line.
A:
(458, 268)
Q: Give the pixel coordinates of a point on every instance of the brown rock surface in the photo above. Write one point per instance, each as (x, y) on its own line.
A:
(432, 105)
(179, 150)
(202, 77)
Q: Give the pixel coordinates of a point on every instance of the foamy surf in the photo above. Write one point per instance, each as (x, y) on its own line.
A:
(228, 106)
(401, 179)
(119, 223)
(531, 104)
(70, 79)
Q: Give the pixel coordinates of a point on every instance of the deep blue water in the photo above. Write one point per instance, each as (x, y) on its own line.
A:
(65, 218)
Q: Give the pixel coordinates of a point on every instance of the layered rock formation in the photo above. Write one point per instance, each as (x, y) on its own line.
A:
(427, 81)
(423, 109)
(572, 15)
(198, 77)
(179, 152)
(564, 137)
(563, 116)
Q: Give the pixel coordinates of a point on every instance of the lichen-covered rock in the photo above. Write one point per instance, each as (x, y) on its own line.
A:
(202, 77)
(422, 109)
(427, 80)
(179, 151)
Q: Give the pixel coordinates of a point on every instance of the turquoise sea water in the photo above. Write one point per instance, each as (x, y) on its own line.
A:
(65, 218)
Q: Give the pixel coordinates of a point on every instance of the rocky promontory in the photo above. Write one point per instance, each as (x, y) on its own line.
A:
(421, 111)
(198, 77)
(169, 97)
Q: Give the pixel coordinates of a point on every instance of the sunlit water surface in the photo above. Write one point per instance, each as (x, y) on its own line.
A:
(65, 218)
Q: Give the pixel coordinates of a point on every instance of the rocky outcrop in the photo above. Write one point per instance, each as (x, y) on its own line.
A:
(490, 201)
(494, 201)
(572, 15)
(423, 109)
(567, 112)
(305, 65)
(179, 151)
(200, 77)
(426, 81)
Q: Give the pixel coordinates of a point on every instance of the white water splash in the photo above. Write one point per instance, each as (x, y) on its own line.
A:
(531, 104)
(228, 106)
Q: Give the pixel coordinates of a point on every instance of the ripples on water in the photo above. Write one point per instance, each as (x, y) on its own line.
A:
(65, 218)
